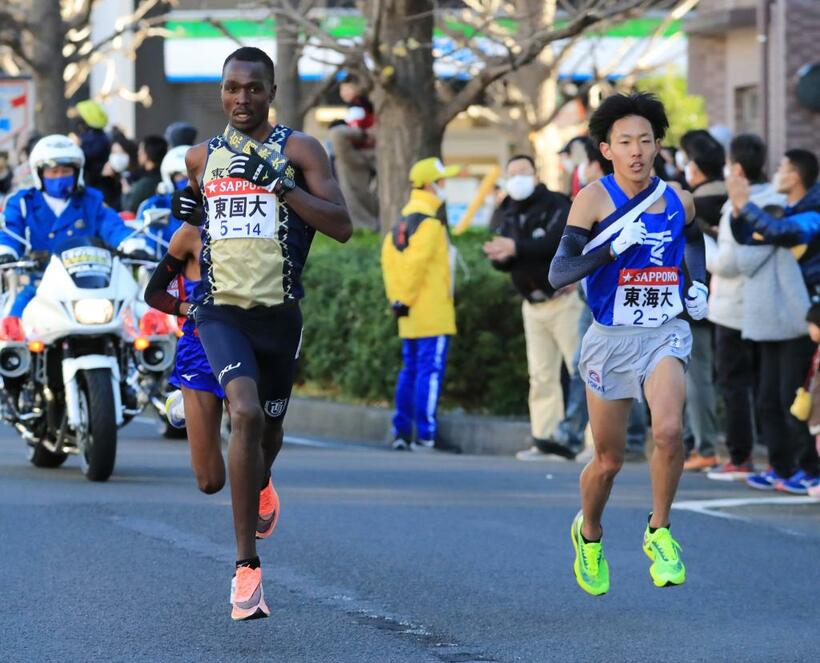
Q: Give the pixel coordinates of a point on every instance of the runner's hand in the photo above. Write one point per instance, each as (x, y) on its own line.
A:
(400, 310)
(697, 305)
(632, 234)
(255, 169)
(184, 206)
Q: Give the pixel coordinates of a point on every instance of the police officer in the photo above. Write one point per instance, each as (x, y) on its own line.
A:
(57, 208)
(174, 178)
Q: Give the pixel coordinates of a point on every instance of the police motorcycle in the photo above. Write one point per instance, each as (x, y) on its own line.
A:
(79, 367)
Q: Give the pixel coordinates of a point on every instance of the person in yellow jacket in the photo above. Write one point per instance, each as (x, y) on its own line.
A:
(418, 280)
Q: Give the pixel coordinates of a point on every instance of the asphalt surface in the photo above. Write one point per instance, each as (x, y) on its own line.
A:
(383, 557)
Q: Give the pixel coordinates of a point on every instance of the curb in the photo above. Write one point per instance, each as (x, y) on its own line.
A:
(367, 424)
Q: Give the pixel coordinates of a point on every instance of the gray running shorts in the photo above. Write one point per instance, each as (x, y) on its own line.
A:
(615, 361)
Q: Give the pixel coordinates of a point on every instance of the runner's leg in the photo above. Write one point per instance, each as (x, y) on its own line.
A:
(665, 391)
(203, 416)
(608, 419)
(245, 461)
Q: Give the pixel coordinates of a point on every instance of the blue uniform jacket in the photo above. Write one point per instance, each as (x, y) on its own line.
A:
(28, 215)
(161, 201)
(799, 225)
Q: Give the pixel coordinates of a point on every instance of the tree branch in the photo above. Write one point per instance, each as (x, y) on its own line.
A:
(314, 98)
(584, 20)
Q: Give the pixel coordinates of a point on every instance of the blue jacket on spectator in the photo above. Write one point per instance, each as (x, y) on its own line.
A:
(799, 225)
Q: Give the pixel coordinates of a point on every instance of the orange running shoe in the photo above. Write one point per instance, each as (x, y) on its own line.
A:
(698, 463)
(268, 511)
(247, 596)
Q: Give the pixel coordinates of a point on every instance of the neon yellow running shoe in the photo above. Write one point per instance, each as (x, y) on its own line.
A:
(667, 568)
(591, 568)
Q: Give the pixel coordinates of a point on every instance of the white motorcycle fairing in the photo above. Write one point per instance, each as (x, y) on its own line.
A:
(50, 314)
(72, 391)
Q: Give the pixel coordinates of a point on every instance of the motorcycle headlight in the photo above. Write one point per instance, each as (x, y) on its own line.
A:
(93, 311)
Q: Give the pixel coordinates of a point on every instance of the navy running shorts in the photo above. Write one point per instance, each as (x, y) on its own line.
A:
(261, 343)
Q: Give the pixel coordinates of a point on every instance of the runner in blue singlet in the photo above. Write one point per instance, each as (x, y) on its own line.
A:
(628, 236)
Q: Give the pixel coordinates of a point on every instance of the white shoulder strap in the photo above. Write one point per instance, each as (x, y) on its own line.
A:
(616, 227)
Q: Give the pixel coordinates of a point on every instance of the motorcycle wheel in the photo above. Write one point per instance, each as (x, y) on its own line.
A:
(39, 456)
(97, 432)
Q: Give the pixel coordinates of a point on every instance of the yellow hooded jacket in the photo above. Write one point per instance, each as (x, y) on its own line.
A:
(419, 275)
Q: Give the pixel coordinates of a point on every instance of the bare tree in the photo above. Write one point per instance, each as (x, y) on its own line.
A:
(397, 53)
(52, 40)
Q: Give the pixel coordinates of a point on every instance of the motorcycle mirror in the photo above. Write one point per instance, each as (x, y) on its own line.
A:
(156, 218)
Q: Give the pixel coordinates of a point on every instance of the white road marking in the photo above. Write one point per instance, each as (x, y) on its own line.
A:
(710, 507)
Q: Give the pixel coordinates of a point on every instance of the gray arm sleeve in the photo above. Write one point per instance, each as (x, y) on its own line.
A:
(570, 264)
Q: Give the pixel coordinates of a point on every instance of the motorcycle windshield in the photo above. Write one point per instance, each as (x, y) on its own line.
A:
(88, 266)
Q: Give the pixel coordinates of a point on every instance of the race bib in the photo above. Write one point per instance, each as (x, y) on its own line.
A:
(647, 297)
(238, 209)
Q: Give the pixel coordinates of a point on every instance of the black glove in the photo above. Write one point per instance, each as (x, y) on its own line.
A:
(400, 310)
(185, 207)
(255, 169)
(6, 258)
(141, 254)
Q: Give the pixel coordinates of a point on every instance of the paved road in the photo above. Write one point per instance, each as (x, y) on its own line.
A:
(384, 557)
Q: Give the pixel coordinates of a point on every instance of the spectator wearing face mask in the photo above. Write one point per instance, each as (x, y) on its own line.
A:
(151, 152)
(704, 159)
(117, 172)
(573, 160)
(529, 223)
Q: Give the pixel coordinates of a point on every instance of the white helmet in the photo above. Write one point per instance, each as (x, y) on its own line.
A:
(172, 163)
(56, 150)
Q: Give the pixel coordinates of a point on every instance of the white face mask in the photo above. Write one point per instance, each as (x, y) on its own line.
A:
(521, 187)
(670, 171)
(777, 182)
(680, 160)
(727, 172)
(441, 192)
(119, 161)
(688, 174)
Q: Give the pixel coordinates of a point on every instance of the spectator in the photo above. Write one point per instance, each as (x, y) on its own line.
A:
(799, 225)
(736, 353)
(573, 155)
(792, 451)
(703, 170)
(94, 143)
(419, 284)
(813, 319)
(530, 222)
(151, 152)
(23, 177)
(354, 155)
(117, 172)
(705, 159)
(6, 174)
(180, 133)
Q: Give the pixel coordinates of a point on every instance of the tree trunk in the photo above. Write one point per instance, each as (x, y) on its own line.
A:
(46, 52)
(288, 86)
(404, 99)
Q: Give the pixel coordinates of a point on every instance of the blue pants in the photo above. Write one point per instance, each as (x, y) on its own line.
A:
(419, 386)
(24, 296)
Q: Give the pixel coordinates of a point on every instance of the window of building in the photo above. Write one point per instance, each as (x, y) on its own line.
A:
(747, 109)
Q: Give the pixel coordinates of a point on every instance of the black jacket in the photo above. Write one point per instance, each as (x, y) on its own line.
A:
(536, 224)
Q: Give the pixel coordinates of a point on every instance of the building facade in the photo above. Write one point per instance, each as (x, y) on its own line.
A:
(744, 59)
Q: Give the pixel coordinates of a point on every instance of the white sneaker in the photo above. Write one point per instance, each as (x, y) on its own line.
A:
(422, 445)
(175, 409)
(534, 454)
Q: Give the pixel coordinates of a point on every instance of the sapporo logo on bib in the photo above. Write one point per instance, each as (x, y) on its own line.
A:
(647, 297)
(238, 209)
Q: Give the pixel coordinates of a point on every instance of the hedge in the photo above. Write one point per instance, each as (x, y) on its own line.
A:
(351, 349)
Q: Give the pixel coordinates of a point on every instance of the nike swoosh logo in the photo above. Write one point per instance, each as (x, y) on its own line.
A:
(672, 216)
